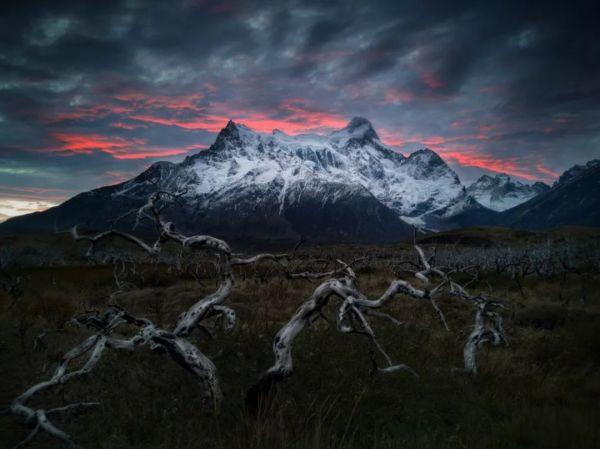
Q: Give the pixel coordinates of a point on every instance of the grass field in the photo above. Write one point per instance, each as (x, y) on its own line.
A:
(542, 391)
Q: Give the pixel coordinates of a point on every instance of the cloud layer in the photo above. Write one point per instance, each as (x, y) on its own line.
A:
(92, 92)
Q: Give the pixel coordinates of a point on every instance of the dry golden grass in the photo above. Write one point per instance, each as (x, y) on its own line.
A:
(540, 392)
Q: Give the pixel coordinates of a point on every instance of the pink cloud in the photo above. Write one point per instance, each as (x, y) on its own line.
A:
(117, 147)
(297, 117)
(550, 174)
(393, 96)
(134, 109)
(454, 150)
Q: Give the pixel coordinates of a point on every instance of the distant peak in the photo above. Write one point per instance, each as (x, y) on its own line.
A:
(237, 127)
(540, 187)
(426, 155)
(496, 178)
(575, 171)
(360, 128)
(424, 151)
(427, 164)
(161, 164)
(357, 122)
(231, 132)
(231, 128)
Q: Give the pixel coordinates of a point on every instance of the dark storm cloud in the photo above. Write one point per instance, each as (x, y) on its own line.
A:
(323, 32)
(98, 90)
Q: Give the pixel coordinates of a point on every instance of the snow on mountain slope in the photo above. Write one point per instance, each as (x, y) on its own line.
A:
(289, 165)
(500, 192)
(346, 185)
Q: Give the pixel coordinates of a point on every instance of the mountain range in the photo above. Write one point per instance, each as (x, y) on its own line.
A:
(344, 186)
(500, 192)
(574, 199)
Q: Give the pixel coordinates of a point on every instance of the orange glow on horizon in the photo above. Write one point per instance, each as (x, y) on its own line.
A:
(117, 147)
(135, 109)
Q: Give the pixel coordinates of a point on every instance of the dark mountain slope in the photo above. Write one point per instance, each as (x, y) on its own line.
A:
(573, 200)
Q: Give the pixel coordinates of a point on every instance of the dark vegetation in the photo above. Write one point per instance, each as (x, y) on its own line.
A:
(542, 391)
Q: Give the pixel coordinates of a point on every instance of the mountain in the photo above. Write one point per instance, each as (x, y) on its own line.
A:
(574, 199)
(345, 186)
(466, 212)
(500, 192)
(575, 171)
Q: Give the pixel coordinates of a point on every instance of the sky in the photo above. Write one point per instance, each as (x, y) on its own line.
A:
(93, 92)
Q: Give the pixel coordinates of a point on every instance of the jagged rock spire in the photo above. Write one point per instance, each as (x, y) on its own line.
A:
(362, 126)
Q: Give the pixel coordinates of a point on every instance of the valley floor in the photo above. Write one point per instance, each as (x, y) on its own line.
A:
(541, 391)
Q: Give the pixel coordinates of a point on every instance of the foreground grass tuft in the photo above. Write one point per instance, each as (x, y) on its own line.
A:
(540, 392)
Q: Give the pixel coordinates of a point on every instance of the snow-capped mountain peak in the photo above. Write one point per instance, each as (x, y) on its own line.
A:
(360, 127)
(359, 122)
(288, 165)
(499, 192)
(356, 134)
(427, 164)
(346, 183)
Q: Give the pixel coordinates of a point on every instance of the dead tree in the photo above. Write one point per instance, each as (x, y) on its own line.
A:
(488, 326)
(341, 284)
(173, 341)
(355, 308)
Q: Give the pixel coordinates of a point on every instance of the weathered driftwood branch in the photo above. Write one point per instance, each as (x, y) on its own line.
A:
(173, 341)
(488, 329)
(488, 326)
(38, 418)
(355, 307)
(180, 349)
(350, 318)
(340, 284)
